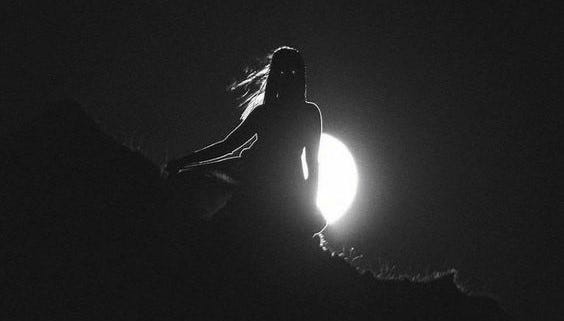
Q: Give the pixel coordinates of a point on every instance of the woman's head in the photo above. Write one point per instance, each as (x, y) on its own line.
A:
(286, 76)
(282, 78)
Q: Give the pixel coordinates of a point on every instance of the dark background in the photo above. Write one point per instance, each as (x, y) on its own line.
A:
(449, 110)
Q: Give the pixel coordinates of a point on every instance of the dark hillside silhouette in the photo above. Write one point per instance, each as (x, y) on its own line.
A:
(90, 230)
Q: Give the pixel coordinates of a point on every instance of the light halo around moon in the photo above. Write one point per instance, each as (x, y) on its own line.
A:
(338, 178)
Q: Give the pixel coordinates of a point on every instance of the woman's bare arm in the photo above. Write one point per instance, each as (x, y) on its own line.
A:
(312, 151)
(246, 130)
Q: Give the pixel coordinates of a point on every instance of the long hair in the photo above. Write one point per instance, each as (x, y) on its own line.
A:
(260, 85)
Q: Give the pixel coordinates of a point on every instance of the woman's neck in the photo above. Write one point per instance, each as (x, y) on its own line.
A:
(289, 99)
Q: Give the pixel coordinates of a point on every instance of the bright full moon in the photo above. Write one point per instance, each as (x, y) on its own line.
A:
(338, 178)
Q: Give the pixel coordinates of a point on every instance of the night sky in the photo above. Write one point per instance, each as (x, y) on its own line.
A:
(449, 110)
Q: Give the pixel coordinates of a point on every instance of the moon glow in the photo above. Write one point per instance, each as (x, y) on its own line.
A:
(338, 178)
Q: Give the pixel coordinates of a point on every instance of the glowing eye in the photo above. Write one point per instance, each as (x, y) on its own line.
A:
(281, 72)
(293, 72)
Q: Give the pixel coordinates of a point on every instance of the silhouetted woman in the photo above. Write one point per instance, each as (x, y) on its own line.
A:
(264, 152)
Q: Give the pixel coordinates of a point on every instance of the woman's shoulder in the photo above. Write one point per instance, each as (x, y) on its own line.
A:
(257, 112)
(311, 106)
(313, 109)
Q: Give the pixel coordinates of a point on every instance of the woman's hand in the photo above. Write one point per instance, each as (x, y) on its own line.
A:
(222, 149)
(173, 167)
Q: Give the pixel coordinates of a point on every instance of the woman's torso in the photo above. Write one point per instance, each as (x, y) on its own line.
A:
(274, 164)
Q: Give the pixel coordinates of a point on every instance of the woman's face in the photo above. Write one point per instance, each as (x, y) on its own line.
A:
(288, 73)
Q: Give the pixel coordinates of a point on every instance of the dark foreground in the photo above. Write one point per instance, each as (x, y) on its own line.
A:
(90, 230)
